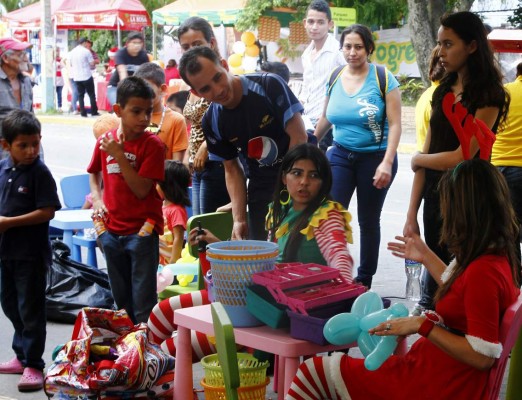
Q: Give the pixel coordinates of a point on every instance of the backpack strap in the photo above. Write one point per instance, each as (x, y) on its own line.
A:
(381, 74)
(334, 76)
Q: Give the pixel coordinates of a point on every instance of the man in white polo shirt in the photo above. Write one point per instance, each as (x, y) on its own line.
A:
(319, 59)
(82, 63)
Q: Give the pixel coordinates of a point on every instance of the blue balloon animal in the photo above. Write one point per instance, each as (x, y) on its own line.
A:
(367, 312)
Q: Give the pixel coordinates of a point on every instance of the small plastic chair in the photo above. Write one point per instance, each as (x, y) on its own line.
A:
(509, 332)
(514, 383)
(79, 241)
(226, 349)
(74, 189)
(220, 224)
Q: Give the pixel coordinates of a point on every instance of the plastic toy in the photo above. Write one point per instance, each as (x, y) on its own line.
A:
(164, 278)
(185, 279)
(367, 312)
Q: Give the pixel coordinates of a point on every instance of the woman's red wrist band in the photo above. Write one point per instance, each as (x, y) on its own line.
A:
(426, 327)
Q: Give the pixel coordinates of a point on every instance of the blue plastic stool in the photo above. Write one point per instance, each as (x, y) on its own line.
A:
(79, 240)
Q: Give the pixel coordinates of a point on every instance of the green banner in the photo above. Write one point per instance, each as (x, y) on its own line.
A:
(343, 16)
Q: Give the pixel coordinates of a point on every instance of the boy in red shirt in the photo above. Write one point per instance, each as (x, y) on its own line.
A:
(130, 160)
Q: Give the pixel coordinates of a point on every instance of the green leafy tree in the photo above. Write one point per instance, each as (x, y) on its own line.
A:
(516, 18)
(424, 22)
(423, 18)
(11, 5)
(102, 40)
(376, 13)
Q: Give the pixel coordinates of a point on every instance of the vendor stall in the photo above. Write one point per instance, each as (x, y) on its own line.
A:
(506, 40)
(217, 13)
(80, 14)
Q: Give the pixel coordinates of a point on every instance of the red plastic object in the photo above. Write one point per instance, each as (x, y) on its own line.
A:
(307, 286)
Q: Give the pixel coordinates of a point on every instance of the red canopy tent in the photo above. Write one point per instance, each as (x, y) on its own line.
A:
(28, 17)
(506, 40)
(83, 14)
(126, 15)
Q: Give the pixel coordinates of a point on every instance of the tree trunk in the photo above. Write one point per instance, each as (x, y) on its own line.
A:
(421, 22)
(464, 5)
(424, 21)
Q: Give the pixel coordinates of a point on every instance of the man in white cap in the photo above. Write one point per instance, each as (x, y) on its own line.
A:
(15, 87)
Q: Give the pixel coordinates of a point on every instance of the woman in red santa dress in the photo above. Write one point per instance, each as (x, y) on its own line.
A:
(460, 342)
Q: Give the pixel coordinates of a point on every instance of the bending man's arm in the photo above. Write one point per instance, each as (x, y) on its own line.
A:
(296, 130)
(236, 186)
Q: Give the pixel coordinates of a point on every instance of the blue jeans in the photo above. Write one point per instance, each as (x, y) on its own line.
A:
(74, 95)
(87, 87)
(22, 294)
(59, 96)
(352, 170)
(513, 177)
(432, 225)
(111, 94)
(132, 263)
(209, 188)
(326, 141)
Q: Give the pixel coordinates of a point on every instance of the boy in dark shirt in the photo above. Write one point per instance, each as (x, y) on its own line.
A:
(28, 201)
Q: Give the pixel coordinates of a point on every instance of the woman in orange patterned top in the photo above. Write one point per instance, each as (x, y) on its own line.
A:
(209, 189)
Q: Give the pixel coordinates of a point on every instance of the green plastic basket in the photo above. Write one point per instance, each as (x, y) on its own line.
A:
(251, 370)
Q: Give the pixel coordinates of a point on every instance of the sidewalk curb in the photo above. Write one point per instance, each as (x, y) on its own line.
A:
(65, 119)
(404, 148)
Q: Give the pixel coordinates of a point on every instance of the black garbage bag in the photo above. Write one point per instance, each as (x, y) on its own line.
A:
(72, 285)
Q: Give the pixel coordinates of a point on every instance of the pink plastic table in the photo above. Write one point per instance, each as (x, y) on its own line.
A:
(276, 341)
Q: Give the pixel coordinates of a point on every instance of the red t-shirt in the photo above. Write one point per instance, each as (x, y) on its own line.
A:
(171, 73)
(127, 213)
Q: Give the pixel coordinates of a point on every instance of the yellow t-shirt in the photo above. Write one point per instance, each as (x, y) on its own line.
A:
(173, 131)
(423, 115)
(507, 150)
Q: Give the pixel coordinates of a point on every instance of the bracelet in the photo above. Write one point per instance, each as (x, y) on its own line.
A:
(434, 316)
(426, 327)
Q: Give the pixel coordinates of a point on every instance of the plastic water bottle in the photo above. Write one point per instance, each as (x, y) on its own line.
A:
(413, 272)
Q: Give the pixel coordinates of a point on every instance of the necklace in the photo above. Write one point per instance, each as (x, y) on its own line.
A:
(156, 129)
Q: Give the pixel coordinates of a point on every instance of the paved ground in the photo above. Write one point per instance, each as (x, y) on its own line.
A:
(68, 142)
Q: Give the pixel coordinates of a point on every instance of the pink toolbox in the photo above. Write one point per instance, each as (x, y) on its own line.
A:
(305, 287)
